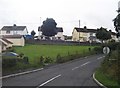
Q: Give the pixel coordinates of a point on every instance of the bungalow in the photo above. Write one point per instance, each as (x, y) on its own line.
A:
(14, 30)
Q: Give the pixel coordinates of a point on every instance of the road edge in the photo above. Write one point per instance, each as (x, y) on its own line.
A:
(99, 83)
(22, 73)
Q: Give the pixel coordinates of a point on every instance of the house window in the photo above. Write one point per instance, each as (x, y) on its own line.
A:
(8, 31)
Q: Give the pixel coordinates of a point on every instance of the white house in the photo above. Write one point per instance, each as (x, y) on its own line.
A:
(14, 30)
(58, 36)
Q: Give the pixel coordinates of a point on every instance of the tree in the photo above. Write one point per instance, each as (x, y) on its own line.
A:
(33, 33)
(117, 24)
(103, 34)
(49, 27)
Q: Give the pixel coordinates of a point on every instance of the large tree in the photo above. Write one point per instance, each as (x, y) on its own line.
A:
(49, 27)
(103, 34)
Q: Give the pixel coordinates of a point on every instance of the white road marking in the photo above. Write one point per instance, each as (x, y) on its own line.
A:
(48, 81)
(12, 75)
(100, 57)
(75, 68)
(81, 65)
(85, 63)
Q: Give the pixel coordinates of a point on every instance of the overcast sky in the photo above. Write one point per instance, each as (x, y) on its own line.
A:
(66, 13)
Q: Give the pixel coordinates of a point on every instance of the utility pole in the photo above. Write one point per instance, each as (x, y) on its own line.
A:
(79, 32)
(79, 23)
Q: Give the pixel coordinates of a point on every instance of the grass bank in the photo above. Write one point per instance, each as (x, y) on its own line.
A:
(35, 51)
(39, 55)
(106, 79)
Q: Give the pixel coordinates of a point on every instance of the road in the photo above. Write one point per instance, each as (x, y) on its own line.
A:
(74, 73)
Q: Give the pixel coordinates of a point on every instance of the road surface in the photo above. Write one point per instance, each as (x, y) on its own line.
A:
(74, 73)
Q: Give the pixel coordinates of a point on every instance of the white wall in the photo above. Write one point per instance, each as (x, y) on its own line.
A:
(17, 41)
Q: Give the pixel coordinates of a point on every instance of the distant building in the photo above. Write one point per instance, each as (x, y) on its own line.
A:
(87, 35)
(84, 34)
(14, 30)
(58, 36)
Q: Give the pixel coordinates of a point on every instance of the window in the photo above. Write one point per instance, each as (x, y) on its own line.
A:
(8, 31)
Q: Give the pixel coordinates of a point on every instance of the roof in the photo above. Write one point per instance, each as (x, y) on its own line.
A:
(13, 28)
(7, 41)
(85, 30)
(59, 29)
(12, 36)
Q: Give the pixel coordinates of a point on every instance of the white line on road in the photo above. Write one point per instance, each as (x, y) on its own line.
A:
(81, 65)
(100, 57)
(85, 63)
(22, 73)
(48, 81)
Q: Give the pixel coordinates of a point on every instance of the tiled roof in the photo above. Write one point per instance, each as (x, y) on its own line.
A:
(13, 28)
(85, 30)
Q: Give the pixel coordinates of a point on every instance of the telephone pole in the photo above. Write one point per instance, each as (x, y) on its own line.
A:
(79, 23)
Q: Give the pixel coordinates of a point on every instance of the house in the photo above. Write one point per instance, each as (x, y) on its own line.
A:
(17, 40)
(58, 36)
(4, 44)
(84, 34)
(114, 36)
(14, 30)
(87, 35)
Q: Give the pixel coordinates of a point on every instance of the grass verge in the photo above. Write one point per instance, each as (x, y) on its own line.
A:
(106, 80)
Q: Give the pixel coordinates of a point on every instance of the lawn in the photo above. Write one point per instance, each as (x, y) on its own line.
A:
(35, 51)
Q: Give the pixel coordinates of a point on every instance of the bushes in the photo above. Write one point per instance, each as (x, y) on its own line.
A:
(98, 49)
(9, 62)
(111, 65)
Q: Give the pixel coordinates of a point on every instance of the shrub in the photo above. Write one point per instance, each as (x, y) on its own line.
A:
(98, 49)
(9, 62)
(26, 60)
(59, 59)
(42, 59)
(48, 60)
(21, 55)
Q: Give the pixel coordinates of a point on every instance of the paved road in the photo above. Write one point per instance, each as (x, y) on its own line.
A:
(74, 73)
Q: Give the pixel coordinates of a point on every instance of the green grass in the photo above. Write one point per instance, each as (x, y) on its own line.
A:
(106, 79)
(35, 51)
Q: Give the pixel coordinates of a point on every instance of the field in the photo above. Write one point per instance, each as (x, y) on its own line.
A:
(35, 51)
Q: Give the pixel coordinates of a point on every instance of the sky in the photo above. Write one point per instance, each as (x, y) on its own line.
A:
(67, 13)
